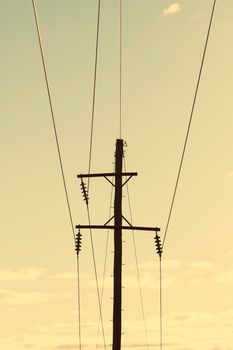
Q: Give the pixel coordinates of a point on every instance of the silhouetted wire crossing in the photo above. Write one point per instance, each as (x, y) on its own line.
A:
(77, 238)
(89, 166)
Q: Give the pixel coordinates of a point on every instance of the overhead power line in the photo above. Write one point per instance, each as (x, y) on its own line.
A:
(52, 115)
(60, 159)
(137, 265)
(120, 112)
(94, 90)
(190, 122)
(89, 166)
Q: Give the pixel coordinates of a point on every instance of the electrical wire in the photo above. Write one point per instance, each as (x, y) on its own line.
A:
(120, 68)
(160, 303)
(96, 277)
(94, 91)
(105, 260)
(137, 267)
(60, 159)
(89, 165)
(79, 304)
(190, 121)
(52, 115)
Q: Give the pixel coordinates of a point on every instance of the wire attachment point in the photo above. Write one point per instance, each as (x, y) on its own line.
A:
(158, 245)
(78, 242)
(84, 191)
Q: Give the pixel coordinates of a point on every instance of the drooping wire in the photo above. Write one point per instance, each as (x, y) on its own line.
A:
(52, 114)
(94, 90)
(120, 68)
(159, 251)
(160, 304)
(89, 165)
(59, 156)
(190, 121)
(137, 266)
(105, 259)
(79, 304)
(78, 243)
(96, 278)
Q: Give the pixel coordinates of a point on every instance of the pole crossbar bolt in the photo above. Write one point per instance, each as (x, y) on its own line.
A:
(84, 191)
(78, 242)
(158, 245)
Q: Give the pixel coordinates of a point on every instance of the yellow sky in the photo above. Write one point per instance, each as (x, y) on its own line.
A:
(162, 47)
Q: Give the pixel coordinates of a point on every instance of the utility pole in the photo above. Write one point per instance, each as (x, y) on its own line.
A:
(117, 227)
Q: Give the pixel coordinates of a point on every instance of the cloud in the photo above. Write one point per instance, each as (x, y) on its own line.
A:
(172, 9)
(65, 276)
(148, 280)
(11, 297)
(229, 253)
(30, 273)
(168, 264)
(197, 281)
(57, 328)
(201, 329)
(66, 347)
(202, 266)
(226, 277)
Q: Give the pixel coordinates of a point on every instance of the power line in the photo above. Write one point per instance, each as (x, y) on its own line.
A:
(94, 90)
(159, 251)
(160, 303)
(60, 159)
(79, 304)
(89, 165)
(190, 122)
(137, 267)
(105, 259)
(96, 277)
(52, 115)
(120, 67)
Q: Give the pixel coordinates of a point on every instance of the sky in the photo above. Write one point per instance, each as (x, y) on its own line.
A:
(162, 45)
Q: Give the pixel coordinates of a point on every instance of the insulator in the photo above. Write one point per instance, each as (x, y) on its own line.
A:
(158, 245)
(78, 242)
(84, 192)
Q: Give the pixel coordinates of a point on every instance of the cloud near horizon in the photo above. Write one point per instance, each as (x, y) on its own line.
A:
(11, 297)
(24, 274)
(172, 9)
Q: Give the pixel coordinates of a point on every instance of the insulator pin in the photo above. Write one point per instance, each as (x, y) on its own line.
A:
(78, 242)
(158, 245)
(84, 191)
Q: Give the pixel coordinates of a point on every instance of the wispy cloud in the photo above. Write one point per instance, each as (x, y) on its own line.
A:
(66, 347)
(229, 253)
(147, 281)
(25, 274)
(172, 9)
(201, 329)
(11, 297)
(225, 277)
(168, 264)
(230, 173)
(199, 267)
(64, 276)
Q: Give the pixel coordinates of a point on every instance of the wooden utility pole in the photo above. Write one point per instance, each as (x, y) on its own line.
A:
(117, 227)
